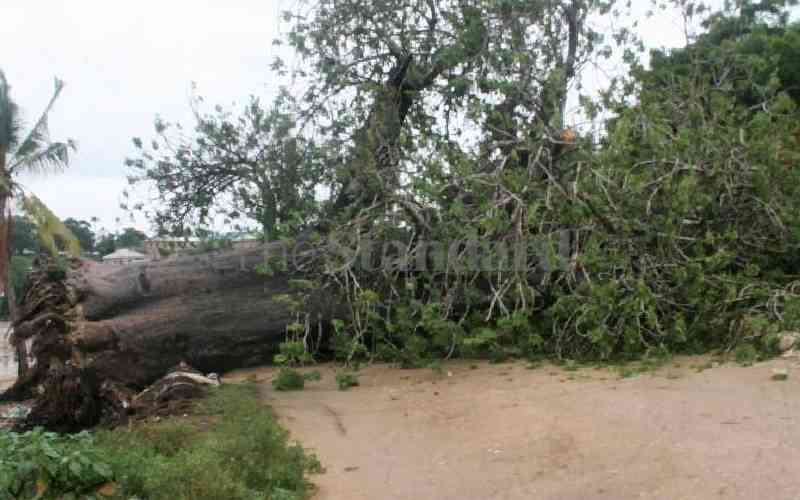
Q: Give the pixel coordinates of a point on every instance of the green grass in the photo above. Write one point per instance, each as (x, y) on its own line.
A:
(230, 448)
(233, 450)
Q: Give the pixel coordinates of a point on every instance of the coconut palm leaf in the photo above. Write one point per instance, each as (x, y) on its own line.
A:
(9, 116)
(36, 152)
(53, 156)
(50, 228)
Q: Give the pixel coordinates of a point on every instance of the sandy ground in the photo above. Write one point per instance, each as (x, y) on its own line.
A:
(506, 432)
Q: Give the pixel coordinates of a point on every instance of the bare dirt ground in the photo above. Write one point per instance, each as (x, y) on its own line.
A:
(506, 432)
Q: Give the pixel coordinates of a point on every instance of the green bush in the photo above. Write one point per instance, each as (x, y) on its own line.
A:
(346, 379)
(289, 379)
(746, 354)
(293, 354)
(50, 463)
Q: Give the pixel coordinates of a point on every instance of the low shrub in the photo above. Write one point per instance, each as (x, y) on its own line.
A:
(289, 379)
(346, 379)
(39, 464)
(746, 354)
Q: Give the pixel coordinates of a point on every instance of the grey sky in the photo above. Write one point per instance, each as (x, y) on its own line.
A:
(125, 62)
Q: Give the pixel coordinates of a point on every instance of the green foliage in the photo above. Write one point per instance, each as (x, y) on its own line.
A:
(758, 45)
(233, 449)
(672, 229)
(240, 168)
(746, 354)
(53, 233)
(47, 465)
(346, 379)
(24, 237)
(128, 238)
(289, 379)
(82, 230)
(293, 354)
(298, 348)
(687, 212)
(106, 244)
(19, 268)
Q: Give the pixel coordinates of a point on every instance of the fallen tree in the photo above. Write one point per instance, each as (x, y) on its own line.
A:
(95, 331)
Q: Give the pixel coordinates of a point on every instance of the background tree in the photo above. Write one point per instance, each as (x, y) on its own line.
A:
(751, 51)
(24, 239)
(127, 238)
(83, 232)
(237, 168)
(106, 244)
(24, 236)
(130, 238)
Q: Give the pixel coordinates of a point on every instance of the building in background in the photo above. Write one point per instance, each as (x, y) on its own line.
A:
(125, 256)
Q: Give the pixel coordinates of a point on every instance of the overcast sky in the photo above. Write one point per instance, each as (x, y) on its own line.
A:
(125, 62)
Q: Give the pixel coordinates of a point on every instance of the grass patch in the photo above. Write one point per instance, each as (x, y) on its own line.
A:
(234, 449)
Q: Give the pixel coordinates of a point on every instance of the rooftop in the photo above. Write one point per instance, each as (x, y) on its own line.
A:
(125, 253)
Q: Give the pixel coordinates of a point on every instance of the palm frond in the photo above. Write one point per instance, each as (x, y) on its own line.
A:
(9, 115)
(50, 228)
(39, 136)
(54, 156)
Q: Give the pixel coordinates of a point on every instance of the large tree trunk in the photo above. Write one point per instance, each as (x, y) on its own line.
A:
(126, 325)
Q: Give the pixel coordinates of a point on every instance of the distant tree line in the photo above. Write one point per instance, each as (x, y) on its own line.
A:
(26, 240)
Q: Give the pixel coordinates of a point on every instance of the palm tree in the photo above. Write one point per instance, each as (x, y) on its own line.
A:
(26, 153)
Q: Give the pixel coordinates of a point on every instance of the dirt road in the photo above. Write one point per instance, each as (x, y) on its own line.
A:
(507, 432)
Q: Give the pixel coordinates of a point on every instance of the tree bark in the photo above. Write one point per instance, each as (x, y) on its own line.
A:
(127, 325)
